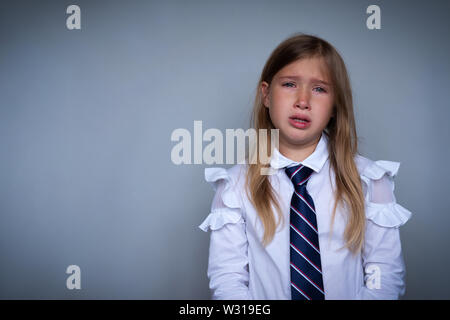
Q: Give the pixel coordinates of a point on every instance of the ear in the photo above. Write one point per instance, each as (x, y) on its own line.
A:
(265, 93)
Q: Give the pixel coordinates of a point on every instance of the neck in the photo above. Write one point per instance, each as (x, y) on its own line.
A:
(298, 153)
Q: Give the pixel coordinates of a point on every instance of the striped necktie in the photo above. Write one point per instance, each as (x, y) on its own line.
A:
(306, 268)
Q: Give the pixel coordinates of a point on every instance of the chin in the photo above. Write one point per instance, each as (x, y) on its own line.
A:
(301, 137)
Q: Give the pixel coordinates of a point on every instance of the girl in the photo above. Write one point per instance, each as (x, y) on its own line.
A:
(325, 224)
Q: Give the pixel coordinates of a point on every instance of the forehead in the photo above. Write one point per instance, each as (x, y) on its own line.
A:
(306, 68)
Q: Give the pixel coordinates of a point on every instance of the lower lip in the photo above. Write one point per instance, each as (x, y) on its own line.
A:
(298, 124)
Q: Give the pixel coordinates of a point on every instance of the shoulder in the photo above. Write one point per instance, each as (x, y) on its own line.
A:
(378, 187)
(374, 170)
(233, 177)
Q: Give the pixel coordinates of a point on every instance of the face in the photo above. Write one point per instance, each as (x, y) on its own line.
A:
(300, 90)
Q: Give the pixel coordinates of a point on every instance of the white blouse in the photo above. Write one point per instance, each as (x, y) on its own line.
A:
(239, 267)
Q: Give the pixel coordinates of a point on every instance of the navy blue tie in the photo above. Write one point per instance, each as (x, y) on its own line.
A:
(306, 268)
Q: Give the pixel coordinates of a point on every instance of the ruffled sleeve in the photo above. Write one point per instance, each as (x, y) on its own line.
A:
(226, 206)
(381, 205)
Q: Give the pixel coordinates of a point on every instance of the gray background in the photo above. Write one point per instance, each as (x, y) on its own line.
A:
(86, 118)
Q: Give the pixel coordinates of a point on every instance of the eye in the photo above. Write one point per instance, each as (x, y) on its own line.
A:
(320, 89)
(288, 84)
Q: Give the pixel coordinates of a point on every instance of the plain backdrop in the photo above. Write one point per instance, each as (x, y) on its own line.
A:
(86, 117)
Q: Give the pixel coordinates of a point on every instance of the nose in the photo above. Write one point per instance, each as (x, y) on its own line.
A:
(303, 99)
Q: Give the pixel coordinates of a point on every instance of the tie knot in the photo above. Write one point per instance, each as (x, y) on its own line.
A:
(299, 175)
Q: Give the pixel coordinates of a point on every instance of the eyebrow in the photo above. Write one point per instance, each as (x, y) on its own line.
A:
(297, 78)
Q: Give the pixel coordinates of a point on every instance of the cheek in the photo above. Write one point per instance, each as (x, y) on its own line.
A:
(274, 116)
(280, 96)
(324, 103)
(327, 112)
(277, 116)
(324, 110)
(280, 104)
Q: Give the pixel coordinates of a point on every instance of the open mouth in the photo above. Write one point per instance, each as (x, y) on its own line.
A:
(301, 119)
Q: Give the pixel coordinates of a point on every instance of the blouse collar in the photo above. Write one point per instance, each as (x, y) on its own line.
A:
(315, 161)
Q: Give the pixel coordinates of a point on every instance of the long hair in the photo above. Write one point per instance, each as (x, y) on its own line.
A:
(340, 131)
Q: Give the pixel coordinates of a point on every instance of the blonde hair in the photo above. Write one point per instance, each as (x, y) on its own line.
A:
(340, 131)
